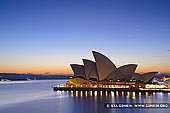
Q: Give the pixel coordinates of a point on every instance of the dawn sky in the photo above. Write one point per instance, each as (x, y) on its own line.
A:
(45, 36)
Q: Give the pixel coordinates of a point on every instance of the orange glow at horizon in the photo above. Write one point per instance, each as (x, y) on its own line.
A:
(62, 71)
(39, 72)
(150, 69)
(69, 71)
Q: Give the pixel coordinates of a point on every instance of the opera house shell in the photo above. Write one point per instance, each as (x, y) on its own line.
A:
(103, 70)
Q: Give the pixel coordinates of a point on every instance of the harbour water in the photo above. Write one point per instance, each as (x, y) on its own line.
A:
(37, 96)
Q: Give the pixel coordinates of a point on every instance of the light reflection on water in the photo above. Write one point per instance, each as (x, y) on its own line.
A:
(94, 101)
(127, 97)
(39, 95)
(86, 99)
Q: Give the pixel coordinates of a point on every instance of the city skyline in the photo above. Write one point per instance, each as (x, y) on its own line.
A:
(46, 36)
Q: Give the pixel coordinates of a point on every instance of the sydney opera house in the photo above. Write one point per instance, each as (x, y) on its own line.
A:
(102, 73)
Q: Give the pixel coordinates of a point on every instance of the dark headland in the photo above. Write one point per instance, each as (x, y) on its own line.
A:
(16, 76)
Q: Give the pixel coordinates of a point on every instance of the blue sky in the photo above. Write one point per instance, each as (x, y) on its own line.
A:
(40, 36)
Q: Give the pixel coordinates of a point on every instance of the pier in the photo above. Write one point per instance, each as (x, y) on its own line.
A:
(58, 88)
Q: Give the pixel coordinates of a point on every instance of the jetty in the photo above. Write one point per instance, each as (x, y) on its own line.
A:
(64, 88)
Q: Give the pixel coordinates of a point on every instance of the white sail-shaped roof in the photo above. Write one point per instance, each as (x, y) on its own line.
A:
(90, 69)
(104, 69)
(128, 70)
(148, 76)
(138, 77)
(78, 70)
(103, 64)
(124, 72)
(115, 75)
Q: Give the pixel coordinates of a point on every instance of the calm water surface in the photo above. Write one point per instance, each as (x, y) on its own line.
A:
(37, 97)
